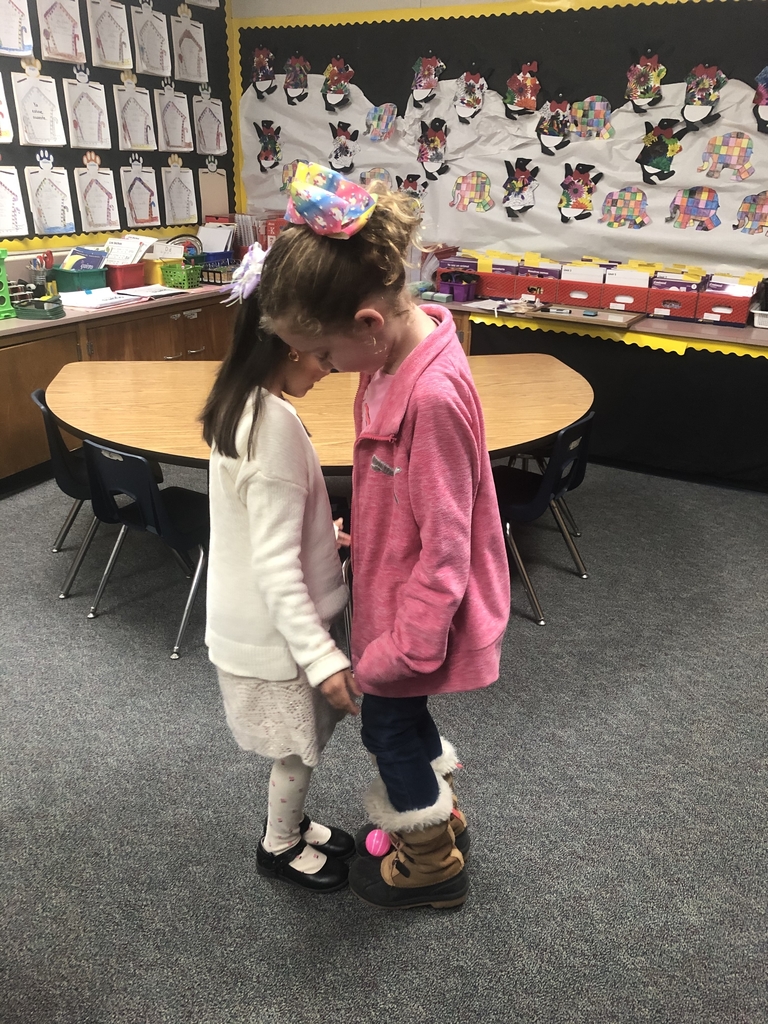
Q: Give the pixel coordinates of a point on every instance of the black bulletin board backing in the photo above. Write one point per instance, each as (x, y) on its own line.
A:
(14, 154)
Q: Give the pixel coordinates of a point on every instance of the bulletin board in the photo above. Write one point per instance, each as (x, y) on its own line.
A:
(712, 211)
(190, 74)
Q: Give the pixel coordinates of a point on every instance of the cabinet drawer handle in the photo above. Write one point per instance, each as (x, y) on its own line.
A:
(195, 351)
(191, 314)
(179, 356)
(175, 316)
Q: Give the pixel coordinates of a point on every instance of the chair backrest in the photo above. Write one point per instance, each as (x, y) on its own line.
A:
(568, 458)
(112, 472)
(68, 474)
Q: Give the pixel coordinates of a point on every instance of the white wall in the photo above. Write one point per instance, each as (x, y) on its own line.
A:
(278, 8)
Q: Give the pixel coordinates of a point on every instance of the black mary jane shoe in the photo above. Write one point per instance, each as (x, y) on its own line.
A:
(341, 845)
(331, 877)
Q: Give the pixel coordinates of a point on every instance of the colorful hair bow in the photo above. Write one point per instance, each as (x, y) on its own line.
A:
(327, 202)
(246, 277)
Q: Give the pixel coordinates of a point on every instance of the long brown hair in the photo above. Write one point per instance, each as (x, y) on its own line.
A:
(319, 282)
(249, 366)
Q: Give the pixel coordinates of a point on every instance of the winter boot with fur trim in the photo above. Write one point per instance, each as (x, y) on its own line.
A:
(425, 868)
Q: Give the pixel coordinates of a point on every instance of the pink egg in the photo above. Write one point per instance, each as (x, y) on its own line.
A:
(377, 843)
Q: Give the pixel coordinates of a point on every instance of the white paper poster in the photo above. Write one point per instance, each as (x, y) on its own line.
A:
(97, 197)
(13, 219)
(150, 41)
(208, 115)
(15, 30)
(87, 115)
(61, 34)
(37, 110)
(214, 200)
(139, 186)
(134, 117)
(189, 54)
(174, 126)
(179, 195)
(110, 45)
(6, 127)
(50, 198)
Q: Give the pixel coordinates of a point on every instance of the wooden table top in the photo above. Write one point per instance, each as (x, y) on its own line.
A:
(152, 407)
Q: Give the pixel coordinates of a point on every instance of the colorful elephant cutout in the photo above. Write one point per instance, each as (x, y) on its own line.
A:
(554, 127)
(760, 101)
(432, 144)
(289, 173)
(519, 187)
(661, 144)
(263, 73)
(733, 150)
(474, 187)
(591, 118)
(752, 215)
(627, 207)
(522, 90)
(426, 72)
(702, 92)
(578, 188)
(380, 122)
(342, 156)
(367, 178)
(644, 80)
(270, 153)
(296, 83)
(697, 206)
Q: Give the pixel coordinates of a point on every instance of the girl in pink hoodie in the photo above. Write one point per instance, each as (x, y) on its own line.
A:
(431, 583)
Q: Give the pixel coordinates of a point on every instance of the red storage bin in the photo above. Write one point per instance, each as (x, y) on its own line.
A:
(671, 303)
(719, 308)
(544, 288)
(497, 286)
(579, 293)
(129, 275)
(620, 296)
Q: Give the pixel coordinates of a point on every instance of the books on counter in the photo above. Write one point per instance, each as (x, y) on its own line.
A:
(85, 257)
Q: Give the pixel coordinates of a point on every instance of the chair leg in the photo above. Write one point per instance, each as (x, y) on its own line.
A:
(573, 526)
(580, 567)
(108, 571)
(77, 504)
(186, 566)
(78, 560)
(345, 570)
(538, 613)
(190, 601)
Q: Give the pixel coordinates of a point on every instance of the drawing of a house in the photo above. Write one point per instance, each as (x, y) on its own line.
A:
(141, 202)
(53, 208)
(181, 201)
(89, 121)
(191, 56)
(110, 39)
(136, 125)
(62, 33)
(154, 54)
(99, 204)
(175, 127)
(14, 34)
(12, 217)
(39, 116)
(211, 132)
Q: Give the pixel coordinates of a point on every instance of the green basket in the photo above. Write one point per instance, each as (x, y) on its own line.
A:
(6, 309)
(175, 275)
(78, 280)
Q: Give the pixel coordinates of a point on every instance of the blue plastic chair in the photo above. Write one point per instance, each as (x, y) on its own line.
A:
(524, 496)
(177, 515)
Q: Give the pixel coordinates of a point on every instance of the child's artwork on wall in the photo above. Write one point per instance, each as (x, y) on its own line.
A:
(97, 196)
(208, 119)
(15, 30)
(6, 125)
(49, 197)
(110, 43)
(86, 112)
(13, 219)
(134, 114)
(150, 41)
(174, 125)
(179, 193)
(61, 34)
(139, 187)
(214, 201)
(189, 56)
(37, 107)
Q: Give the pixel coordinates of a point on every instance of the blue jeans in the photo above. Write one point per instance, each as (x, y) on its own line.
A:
(400, 733)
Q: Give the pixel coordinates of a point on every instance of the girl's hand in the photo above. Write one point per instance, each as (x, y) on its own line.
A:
(340, 691)
(343, 540)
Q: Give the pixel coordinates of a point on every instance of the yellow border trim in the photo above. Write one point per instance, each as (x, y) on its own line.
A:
(674, 346)
(235, 87)
(447, 11)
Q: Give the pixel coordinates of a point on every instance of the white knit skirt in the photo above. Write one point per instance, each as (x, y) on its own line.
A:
(277, 719)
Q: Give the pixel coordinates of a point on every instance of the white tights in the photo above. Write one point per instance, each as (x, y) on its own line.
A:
(288, 785)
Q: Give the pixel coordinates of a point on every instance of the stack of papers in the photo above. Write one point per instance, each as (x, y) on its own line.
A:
(97, 298)
(129, 249)
(150, 291)
(216, 237)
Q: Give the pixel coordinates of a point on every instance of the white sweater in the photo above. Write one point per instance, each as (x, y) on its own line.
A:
(274, 576)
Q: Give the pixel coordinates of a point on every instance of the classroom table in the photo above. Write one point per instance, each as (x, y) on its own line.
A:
(152, 408)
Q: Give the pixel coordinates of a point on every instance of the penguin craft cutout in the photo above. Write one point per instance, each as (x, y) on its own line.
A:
(469, 97)
(335, 88)
(342, 156)
(409, 186)
(269, 137)
(432, 142)
(660, 146)
(263, 75)
(760, 108)
(578, 188)
(553, 129)
(519, 187)
(296, 84)
(702, 91)
(522, 90)
(644, 82)
(426, 72)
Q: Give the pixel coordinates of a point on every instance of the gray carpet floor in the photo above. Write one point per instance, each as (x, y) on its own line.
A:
(614, 779)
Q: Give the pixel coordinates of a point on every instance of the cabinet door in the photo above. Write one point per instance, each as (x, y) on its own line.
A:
(208, 331)
(22, 369)
(149, 337)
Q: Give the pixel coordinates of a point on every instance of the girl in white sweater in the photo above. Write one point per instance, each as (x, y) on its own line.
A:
(274, 587)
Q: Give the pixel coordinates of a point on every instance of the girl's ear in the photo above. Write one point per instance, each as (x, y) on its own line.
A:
(369, 318)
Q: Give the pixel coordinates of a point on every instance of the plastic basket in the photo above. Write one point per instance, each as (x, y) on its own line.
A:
(153, 269)
(218, 275)
(78, 280)
(130, 275)
(176, 275)
(214, 259)
(6, 309)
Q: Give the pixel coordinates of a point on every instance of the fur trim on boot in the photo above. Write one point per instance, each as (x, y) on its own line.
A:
(446, 765)
(448, 761)
(384, 816)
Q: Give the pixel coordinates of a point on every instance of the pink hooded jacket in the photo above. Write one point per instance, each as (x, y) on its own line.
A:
(431, 582)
